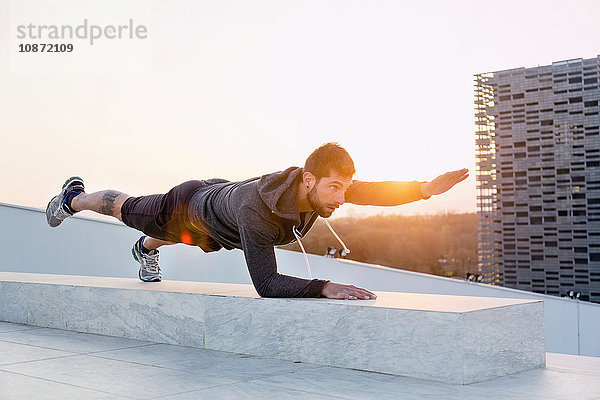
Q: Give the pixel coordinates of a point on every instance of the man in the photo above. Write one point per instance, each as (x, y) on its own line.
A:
(253, 215)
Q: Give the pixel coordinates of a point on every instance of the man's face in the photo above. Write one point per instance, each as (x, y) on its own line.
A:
(328, 194)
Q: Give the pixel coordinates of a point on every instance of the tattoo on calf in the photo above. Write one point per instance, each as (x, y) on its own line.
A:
(108, 202)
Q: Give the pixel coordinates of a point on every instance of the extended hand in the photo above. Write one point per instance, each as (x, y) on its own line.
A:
(334, 290)
(444, 182)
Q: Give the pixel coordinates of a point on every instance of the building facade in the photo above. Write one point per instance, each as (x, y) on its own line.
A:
(538, 177)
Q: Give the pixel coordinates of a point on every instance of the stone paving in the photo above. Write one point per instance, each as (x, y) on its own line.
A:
(42, 363)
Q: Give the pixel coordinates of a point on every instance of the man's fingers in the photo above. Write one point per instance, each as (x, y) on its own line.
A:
(459, 172)
(459, 175)
(463, 178)
(359, 297)
(351, 292)
(361, 294)
(364, 291)
(451, 176)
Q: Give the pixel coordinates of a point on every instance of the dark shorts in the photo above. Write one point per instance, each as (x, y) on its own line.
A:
(165, 216)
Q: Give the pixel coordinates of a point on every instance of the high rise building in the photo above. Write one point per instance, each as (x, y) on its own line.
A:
(538, 176)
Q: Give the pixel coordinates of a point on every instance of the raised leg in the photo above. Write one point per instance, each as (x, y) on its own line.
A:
(107, 202)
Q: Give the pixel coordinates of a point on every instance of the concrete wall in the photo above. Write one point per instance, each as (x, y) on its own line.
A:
(83, 246)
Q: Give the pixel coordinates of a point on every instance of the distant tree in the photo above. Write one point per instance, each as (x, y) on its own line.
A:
(413, 243)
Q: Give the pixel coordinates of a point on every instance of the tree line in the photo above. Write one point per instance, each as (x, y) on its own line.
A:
(443, 244)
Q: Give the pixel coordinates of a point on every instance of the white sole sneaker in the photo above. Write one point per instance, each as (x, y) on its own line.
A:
(56, 211)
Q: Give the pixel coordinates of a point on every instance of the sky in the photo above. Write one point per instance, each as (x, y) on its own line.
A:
(236, 89)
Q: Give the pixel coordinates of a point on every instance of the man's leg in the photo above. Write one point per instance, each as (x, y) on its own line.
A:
(107, 202)
(73, 198)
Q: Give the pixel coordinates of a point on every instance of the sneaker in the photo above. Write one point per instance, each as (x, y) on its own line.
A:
(57, 211)
(149, 268)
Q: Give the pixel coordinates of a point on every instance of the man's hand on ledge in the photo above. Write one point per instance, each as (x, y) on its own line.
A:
(334, 290)
(444, 182)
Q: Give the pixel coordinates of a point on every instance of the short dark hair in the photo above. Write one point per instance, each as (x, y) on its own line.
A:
(328, 158)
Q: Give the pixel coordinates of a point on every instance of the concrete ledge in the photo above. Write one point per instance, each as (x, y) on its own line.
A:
(454, 339)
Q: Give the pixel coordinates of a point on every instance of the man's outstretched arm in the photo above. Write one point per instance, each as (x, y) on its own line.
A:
(395, 193)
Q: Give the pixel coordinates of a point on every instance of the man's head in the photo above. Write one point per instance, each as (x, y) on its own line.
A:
(327, 174)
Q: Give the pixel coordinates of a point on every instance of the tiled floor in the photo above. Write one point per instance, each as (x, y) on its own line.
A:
(41, 363)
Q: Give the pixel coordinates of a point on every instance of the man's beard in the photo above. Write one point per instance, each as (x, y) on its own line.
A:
(316, 204)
